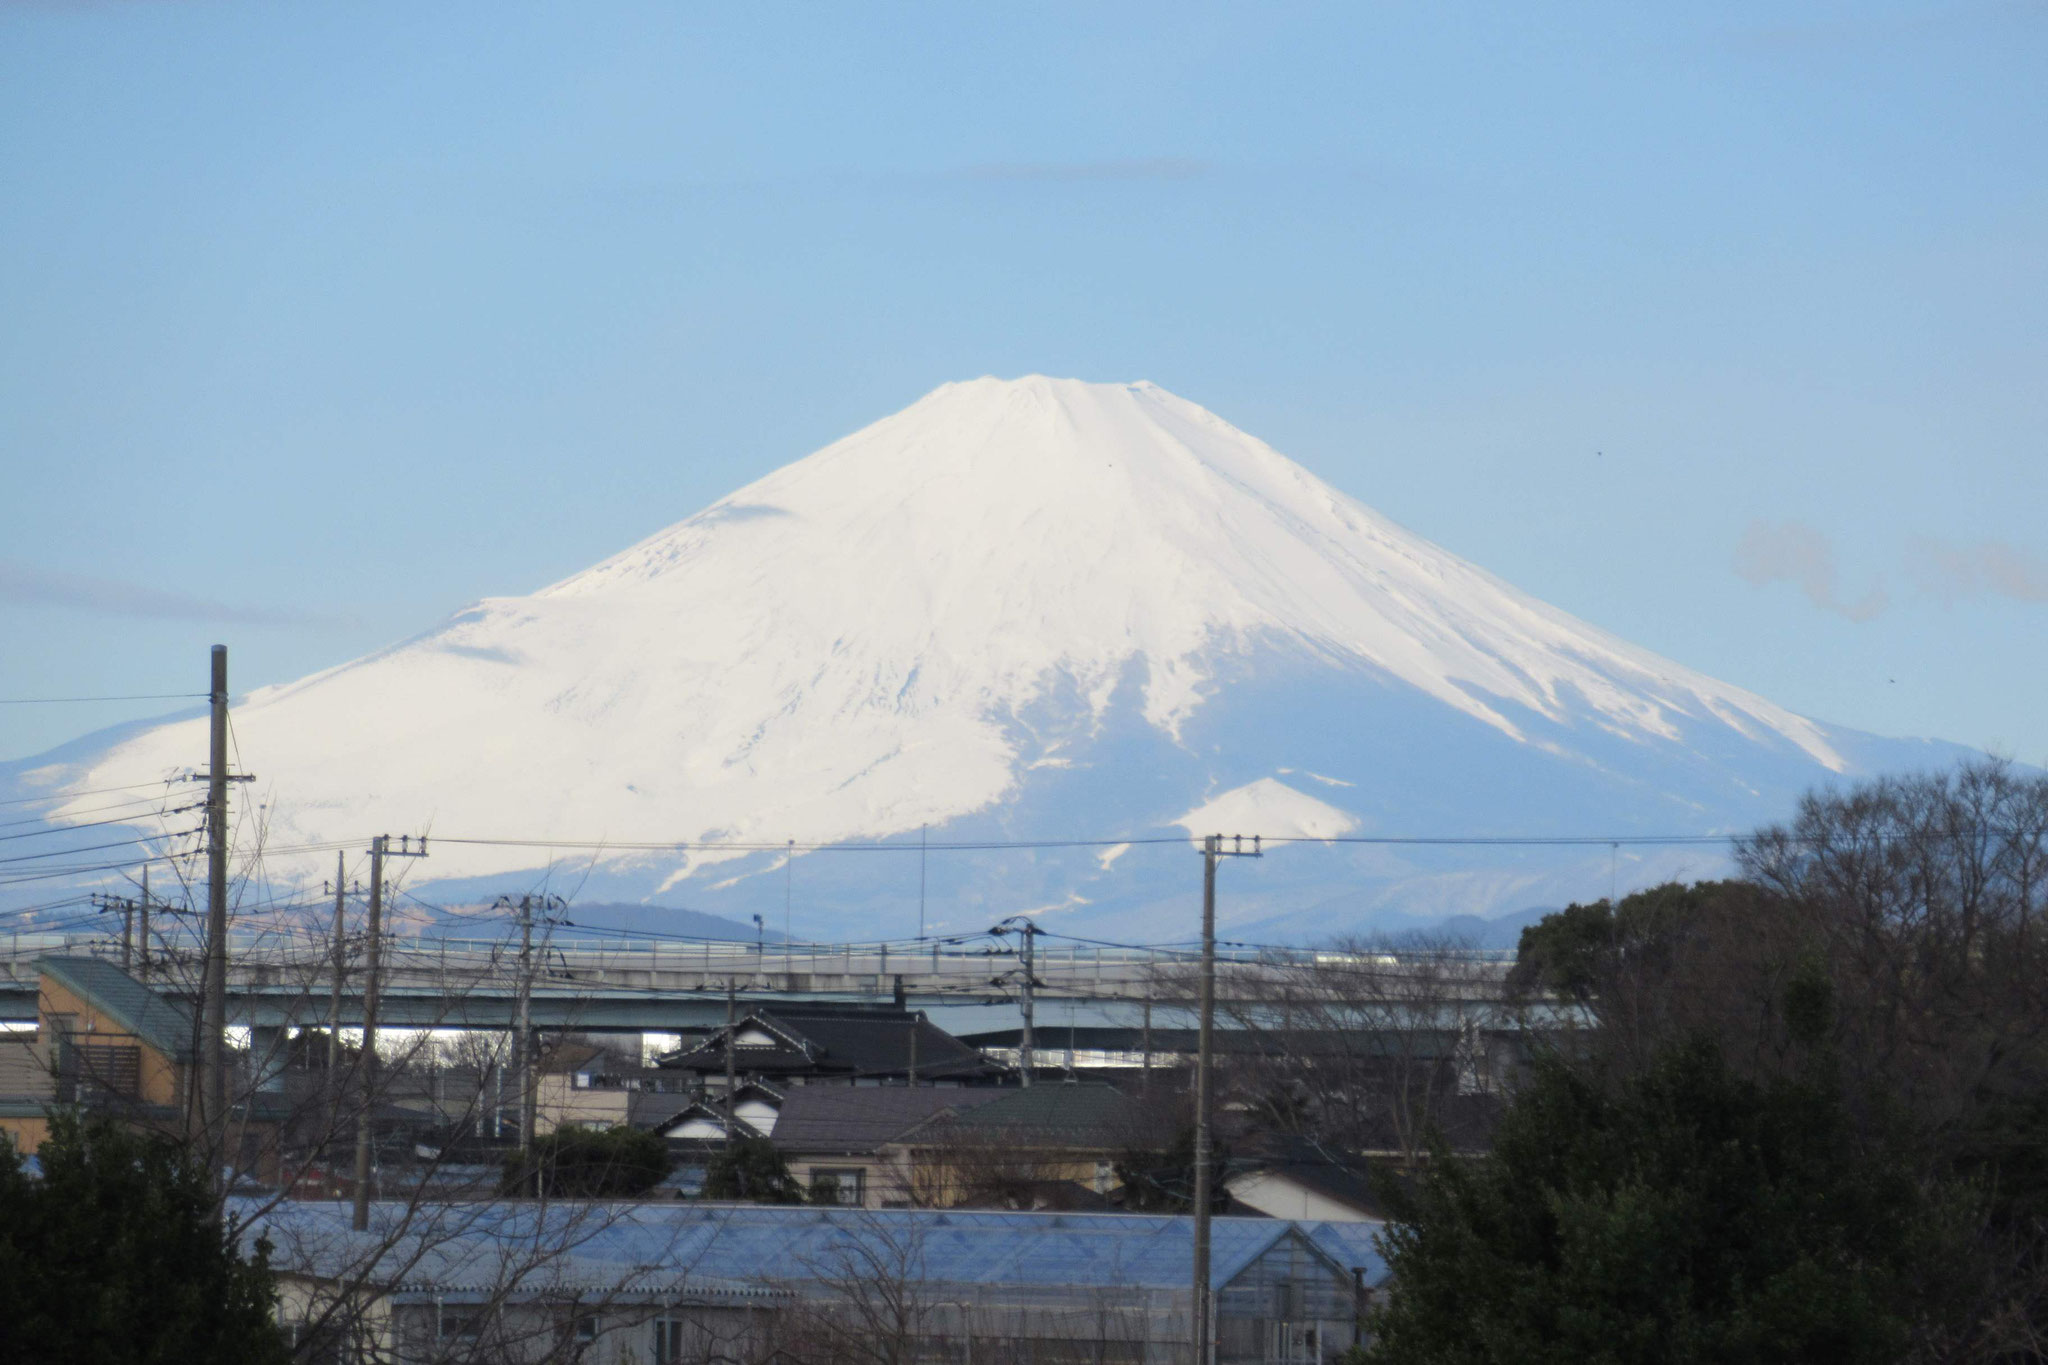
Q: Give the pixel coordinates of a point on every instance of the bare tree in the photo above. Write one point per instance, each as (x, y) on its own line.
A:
(1362, 1046)
(1886, 941)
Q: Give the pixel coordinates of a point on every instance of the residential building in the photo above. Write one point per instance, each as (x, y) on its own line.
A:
(823, 1044)
(106, 1043)
(1038, 1146)
(594, 1088)
(848, 1137)
(1290, 1177)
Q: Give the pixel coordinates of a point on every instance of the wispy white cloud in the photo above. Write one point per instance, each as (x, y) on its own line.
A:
(1989, 568)
(1116, 169)
(1793, 552)
(26, 586)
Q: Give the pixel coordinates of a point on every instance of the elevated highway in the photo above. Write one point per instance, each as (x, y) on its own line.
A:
(645, 986)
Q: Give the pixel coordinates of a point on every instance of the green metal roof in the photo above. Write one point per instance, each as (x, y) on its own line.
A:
(161, 1023)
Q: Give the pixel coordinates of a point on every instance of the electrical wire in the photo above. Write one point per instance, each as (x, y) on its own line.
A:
(65, 701)
(94, 848)
(90, 810)
(785, 845)
(73, 796)
(95, 824)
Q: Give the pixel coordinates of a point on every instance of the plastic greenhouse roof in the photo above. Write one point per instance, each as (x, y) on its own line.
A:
(721, 1248)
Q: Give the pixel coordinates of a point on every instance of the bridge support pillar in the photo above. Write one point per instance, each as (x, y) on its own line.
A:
(269, 1054)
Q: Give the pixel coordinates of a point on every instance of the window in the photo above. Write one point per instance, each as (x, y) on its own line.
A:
(668, 1341)
(845, 1184)
(315, 1343)
(461, 1324)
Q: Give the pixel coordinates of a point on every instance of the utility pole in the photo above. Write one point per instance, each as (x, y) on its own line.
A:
(340, 971)
(1146, 1081)
(143, 925)
(731, 1068)
(1028, 981)
(213, 1106)
(373, 928)
(1212, 849)
(102, 903)
(525, 1041)
(333, 1080)
(1030, 1052)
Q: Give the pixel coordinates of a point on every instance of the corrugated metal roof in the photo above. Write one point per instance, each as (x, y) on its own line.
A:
(713, 1247)
(1351, 1245)
(161, 1023)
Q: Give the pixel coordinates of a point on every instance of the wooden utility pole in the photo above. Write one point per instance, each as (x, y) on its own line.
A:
(1027, 1001)
(142, 916)
(1204, 1323)
(1028, 981)
(213, 1105)
(334, 995)
(1146, 1080)
(731, 1060)
(373, 929)
(528, 1095)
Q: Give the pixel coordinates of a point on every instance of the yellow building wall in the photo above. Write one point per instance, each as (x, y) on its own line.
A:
(27, 1134)
(558, 1103)
(159, 1076)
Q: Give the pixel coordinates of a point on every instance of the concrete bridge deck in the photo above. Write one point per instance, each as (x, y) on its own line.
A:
(636, 985)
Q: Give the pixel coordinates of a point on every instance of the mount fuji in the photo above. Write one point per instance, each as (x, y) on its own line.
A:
(1024, 611)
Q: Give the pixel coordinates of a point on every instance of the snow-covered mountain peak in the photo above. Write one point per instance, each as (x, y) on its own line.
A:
(1021, 527)
(862, 642)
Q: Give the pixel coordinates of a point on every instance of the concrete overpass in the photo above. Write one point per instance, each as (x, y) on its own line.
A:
(646, 986)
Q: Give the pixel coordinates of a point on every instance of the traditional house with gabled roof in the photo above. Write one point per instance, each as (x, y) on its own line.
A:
(753, 1112)
(820, 1045)
(1037, 1147)
(838, 1137)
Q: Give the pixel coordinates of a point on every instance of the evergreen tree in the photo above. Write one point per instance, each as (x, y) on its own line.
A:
(752, 1169)
(117, 1255)
(1684, 1216)
(575, 1162)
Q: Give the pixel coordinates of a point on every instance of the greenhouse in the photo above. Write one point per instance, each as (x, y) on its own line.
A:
(701, 1283)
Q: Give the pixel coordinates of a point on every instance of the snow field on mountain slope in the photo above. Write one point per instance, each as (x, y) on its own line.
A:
(835, 650)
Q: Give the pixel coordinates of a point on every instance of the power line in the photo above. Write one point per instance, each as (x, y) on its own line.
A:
(92, 824)
(65, 701)
(73, 796)
(93, 848)
(996, 845)
(786, 845)
(90, 810)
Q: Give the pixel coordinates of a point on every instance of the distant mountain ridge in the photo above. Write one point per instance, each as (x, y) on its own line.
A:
(1021, 611)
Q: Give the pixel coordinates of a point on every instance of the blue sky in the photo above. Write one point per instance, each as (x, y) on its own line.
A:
(1724, 329)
